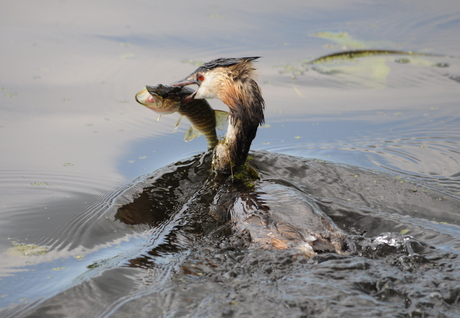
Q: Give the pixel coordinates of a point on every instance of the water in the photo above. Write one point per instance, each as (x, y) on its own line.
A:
(375, 142)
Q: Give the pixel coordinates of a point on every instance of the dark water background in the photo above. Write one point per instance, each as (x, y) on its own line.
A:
(75, 148)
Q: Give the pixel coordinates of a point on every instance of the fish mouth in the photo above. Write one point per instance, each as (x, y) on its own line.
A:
(143, 97)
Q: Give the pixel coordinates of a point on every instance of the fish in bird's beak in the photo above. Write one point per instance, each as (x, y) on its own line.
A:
(156, 102)
(189, 80)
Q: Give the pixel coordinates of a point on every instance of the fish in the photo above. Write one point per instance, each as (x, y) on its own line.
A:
(165, 99)
(347, 55)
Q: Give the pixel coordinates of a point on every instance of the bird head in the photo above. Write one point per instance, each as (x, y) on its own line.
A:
(218, 77)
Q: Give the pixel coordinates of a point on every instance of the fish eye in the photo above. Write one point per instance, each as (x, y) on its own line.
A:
(200, 77)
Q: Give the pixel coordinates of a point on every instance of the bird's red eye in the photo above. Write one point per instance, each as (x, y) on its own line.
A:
(200, 77)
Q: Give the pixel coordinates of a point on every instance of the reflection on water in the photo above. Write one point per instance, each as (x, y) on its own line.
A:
(402, 235)
(80, 238)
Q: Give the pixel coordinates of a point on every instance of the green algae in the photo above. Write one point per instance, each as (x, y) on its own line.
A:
(23, 250)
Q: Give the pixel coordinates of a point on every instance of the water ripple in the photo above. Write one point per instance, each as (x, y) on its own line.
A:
(434, 160)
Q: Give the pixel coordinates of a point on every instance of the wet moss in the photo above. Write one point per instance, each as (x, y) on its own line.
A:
(246, 175)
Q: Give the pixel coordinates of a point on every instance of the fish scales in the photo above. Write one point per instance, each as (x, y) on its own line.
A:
(202, 117)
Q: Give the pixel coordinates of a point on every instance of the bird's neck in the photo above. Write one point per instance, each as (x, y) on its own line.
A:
(246, 114)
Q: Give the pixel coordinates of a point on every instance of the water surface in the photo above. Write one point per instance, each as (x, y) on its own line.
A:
(76, 147)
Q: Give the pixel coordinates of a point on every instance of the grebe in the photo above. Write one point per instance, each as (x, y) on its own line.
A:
(301, 224)
(231, 81)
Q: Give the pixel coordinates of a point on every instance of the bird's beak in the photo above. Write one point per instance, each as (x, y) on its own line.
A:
(186, 81)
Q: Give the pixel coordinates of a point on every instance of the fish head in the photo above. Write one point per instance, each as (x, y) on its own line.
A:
(160, 98)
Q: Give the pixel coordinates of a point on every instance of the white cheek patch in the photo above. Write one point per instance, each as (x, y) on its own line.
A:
(205, 92)
(209, 87)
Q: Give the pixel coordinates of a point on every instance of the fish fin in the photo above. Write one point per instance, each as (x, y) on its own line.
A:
(178, 122)
(221, 119)
(192, 133)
